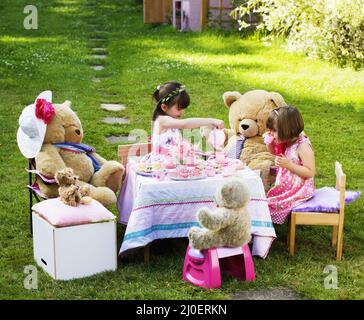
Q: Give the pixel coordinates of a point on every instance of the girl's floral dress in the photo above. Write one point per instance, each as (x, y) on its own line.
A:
(290, 190)
(163, 145)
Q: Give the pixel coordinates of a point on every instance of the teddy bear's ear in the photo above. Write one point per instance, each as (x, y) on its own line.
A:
(226, 191)
(277, 99)
(230, 96)
(67, 103)
(59, 177)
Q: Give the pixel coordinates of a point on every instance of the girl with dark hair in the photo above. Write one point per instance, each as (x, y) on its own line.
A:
(172, 100)
(295, 161)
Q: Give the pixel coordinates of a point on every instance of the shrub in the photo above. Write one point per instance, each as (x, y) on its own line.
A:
(329, 29)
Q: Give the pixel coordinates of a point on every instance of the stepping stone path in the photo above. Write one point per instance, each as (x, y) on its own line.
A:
(101, 31)
(115, 120)
(267, 294)
(109, 94)
(98, 67)
(112, 106)
(99, 56)
(124, 138)
(99, 51)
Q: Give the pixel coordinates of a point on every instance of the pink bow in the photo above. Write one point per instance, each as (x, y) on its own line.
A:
(44, 110)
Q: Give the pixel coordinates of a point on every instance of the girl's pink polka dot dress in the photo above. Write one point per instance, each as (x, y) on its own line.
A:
(290, 190)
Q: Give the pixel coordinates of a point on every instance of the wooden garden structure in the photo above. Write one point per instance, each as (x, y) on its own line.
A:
(190, 14)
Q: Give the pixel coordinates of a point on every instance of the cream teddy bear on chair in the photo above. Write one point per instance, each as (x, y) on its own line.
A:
(229, 224)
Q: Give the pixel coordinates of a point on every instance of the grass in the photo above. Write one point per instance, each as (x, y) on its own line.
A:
(56, 57)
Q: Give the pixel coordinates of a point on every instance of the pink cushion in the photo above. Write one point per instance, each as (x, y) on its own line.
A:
(326, 199)
(61, 215)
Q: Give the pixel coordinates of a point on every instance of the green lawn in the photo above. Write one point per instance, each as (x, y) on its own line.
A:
(56, 57)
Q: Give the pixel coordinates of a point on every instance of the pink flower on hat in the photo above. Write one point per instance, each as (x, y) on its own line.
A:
(44, 110)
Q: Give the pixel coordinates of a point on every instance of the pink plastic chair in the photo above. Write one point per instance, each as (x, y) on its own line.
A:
(204, 268)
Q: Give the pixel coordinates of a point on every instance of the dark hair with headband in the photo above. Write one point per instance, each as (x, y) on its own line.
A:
(286, 121)
(170, 93)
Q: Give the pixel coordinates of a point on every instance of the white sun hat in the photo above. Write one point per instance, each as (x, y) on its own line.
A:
(32, 130)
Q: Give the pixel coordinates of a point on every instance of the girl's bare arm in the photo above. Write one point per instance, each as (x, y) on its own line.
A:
(166, 122)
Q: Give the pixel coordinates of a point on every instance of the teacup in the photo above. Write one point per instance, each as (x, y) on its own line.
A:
(220, 157)
(229, 170)
(159, 175)
(210, 171)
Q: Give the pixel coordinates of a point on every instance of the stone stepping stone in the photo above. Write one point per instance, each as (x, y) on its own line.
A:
(101, 31)
(101, 35)
(124, 138)
(98, 56)
(109, 95)
(98, 67)
(266, 294)
(113, 106)
(96, 80)
(98, 49)
(115, 120)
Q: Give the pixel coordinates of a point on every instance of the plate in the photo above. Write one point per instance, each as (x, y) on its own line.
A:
(202, 176)
(145, 174)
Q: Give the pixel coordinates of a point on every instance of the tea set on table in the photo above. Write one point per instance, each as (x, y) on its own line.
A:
(193, 166)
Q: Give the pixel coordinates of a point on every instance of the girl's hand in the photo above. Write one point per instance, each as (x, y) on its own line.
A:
(283, 162)
(219, 124)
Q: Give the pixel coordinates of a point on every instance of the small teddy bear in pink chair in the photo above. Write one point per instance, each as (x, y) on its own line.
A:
(223, 239)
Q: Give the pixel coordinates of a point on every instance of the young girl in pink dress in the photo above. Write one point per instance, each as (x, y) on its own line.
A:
(172, 100)
(296, 162)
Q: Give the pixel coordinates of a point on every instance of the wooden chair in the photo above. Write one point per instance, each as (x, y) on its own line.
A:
(336, 220)
(127, 151)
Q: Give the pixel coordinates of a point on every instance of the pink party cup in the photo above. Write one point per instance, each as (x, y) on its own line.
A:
(159, 175)
(229, 170)
(169, 163)
(268, 138)
(190, 162)
(220, 157)
(210, 171)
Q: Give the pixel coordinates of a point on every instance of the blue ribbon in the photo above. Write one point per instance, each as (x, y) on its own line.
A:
(82, 148)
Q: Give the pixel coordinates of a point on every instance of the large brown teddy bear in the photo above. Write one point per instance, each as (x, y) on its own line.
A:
(52, 134)
(66, 127)
(248, 114)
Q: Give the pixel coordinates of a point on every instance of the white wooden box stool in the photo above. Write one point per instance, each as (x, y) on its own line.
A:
(74, 242)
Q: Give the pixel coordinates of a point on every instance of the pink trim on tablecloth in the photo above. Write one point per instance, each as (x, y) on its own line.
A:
(185, 202)
(171, 204)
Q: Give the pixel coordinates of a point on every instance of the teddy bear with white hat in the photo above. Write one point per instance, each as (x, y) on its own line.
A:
(52, 135)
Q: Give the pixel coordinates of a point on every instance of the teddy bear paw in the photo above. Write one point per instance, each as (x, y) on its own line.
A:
(204, 217)
(195, 235)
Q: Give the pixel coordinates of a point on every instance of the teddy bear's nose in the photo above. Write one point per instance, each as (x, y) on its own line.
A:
(245, 126)
(78, 131)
